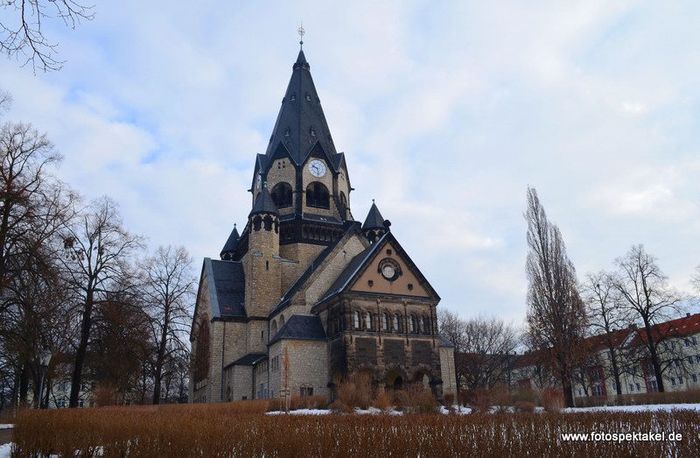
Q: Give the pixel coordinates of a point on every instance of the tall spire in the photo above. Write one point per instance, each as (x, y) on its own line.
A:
(301, 124)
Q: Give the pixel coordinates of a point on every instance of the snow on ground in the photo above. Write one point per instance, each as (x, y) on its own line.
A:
(302, 412)
(6, 426)
(5, 450)
(639, 408)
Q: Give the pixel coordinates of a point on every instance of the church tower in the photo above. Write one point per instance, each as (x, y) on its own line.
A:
(261, 262)
(306, 177)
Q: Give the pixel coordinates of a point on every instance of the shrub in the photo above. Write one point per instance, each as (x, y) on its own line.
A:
(552, 400)
(356, 391)
(449, 399)
(308, 402)
(382, 400)
(215, 430)
(417, 399)
(524, 406)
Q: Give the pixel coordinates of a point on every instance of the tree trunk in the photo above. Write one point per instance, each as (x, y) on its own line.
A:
(616, 371)
(23, 385)
(651, 346)
(568, 391)
(80, 353)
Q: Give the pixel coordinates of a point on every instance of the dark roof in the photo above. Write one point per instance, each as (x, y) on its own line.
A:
(251, 359)
(444, 342)
(231, 243)
(301, 327)
(301, 124)
(264, 203)
(287, 297)
(358, 263)
(352, 269)
(374, 219)
(226, 287)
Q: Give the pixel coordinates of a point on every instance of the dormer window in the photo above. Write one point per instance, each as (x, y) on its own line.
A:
(293, 98)
(312, 132)
(308, 97)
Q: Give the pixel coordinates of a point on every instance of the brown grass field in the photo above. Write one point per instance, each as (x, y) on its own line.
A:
(241, 429)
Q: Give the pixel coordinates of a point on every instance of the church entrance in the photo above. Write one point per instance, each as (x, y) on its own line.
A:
(394, 381)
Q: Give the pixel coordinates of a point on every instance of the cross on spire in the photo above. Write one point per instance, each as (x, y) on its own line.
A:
(301, 33)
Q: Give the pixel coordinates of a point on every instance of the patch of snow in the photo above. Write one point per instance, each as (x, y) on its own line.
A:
(639, 408)
(6, 450)
(302, 412)
(6, 426)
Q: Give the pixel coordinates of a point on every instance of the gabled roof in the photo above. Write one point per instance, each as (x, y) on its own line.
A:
(264, 203)
(251, 359)
(300, 327)
(680, 327)
(358, 264)
(226, 288)
(231, 243)
(374, 219)
(301, 124)
(315, 264)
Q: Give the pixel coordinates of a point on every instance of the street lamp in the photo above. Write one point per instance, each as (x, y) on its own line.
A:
(44, 360)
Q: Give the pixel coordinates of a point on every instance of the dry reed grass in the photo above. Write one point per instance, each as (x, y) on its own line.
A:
(222, 430)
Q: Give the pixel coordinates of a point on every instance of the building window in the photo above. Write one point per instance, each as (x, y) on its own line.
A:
(368, 321)
(631, 388)
(690, 360)
(356, 320)
(282, 195)
(426, 325)
(385, 322)
(673, 381)
(412, 323)
(695, 378)
(317, 195)
(305, 391)
(639, 388)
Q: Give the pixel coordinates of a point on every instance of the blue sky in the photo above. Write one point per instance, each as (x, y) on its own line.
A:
(163, 106)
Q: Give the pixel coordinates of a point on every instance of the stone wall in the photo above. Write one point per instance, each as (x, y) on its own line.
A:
(308, 366)
(447, 367)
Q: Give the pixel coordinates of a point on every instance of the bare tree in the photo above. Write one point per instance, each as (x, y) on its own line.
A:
(96, 259)
(488, 354)
(556, 316)
(22, 31)
(34, 206)
(645, 293)
(606, 317)
(169, 291)
(452, 328)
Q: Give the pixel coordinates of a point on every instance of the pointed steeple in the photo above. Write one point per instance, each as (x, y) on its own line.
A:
(264, 203)
(230, 246)
(301, 124)
(374, 219)
(375, 225)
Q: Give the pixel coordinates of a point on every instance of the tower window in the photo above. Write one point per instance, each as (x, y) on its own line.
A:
(356, 320)
(282, 195)
(368, 321)
(317, 195)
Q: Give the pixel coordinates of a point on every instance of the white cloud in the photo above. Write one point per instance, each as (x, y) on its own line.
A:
(446, 112)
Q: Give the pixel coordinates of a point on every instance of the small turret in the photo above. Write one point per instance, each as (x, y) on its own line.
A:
(375, 225)
(229, 248)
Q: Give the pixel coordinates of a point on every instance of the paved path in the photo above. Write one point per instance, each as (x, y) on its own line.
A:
(5, 436)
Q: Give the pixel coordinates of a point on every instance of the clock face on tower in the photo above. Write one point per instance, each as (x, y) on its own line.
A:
(317, 168)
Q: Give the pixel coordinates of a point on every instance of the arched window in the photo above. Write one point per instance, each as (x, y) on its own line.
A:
(426, 325)
(343, 204)
(412, 322)
(282, 195)
(397, 324)
(317, 195)
(385, 322)
(274, 327)
(368, 321)
(281, 321)
(356, 320)
(268, 222)
(257, 221)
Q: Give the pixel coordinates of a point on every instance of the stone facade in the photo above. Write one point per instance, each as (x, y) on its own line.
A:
(305, 295)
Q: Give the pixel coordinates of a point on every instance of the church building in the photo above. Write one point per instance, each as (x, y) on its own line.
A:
(304, 295)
